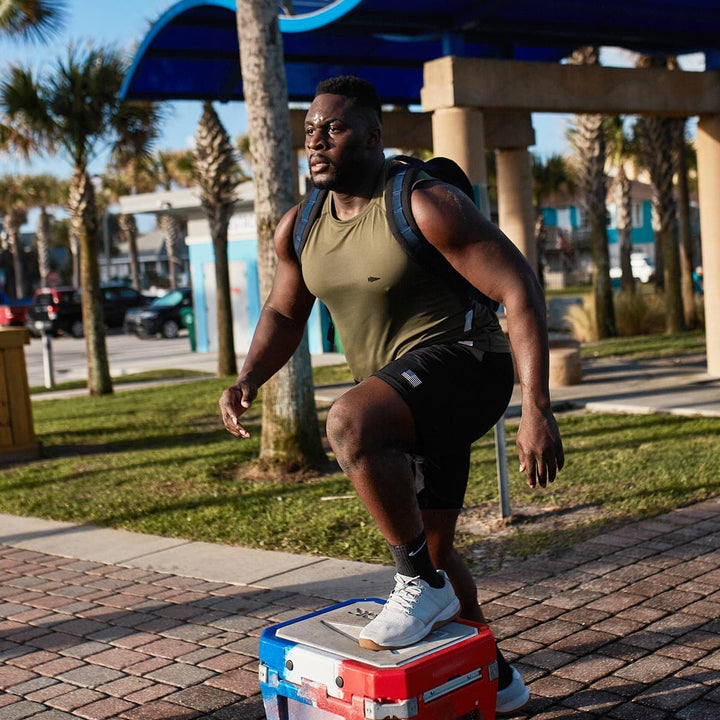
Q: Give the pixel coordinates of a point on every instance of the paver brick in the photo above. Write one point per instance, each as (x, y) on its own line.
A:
(74, 699)
(103, 709)
(11, 676)
(161, 710)
(590, 668)
(671, 694)
(650, 669)
(203, 698)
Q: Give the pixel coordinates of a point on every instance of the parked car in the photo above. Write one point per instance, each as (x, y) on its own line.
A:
(14, 313)
(163, 316)
(643, 268)
(58, 310)
(53, 310)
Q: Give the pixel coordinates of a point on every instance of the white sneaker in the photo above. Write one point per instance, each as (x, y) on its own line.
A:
(413, 610)
(512, 698)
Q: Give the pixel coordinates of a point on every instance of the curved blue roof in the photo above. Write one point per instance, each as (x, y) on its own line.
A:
(192, 52)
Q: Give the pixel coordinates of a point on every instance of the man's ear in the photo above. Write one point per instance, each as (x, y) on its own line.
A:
(374, 137)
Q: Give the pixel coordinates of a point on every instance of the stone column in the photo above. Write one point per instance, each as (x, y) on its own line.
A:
(516, 215)
(459, 133)
(708, 160)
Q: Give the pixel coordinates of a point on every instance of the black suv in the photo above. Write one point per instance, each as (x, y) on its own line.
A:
(163, 315)
(58, 310)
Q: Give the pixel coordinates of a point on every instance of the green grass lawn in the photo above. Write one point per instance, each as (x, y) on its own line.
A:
(158, 460)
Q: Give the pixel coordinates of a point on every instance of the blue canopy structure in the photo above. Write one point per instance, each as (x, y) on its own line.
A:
(192, 53)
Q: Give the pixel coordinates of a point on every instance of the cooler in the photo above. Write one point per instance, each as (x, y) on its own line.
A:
(312, 668)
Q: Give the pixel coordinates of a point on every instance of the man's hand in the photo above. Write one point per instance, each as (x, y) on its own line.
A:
(234, 402)
(539, 447)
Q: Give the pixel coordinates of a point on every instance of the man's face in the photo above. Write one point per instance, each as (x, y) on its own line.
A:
(339, 141)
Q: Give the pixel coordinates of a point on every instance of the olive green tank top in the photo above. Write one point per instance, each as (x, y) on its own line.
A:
(383, 303)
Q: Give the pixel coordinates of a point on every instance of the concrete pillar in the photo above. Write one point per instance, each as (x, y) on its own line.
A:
(516, 215)
(708, 160)
(459, 133)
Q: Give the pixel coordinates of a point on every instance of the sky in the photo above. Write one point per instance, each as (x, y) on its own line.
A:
(125, 23)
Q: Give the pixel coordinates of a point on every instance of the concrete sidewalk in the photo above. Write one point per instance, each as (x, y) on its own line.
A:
(98, 623)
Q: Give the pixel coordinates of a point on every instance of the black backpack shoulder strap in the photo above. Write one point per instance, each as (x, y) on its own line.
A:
(308, 211)
(401, 178)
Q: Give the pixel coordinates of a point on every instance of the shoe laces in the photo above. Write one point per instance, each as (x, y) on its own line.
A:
(405, 593)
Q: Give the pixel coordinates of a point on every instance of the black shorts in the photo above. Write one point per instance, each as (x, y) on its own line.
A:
(456, 394)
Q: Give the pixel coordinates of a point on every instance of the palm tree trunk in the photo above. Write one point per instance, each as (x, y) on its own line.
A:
(687, 290)
(590, 146)
(42, 239)
(83, 222)
(171, 228)
(290, 423)
(659, 141)
(128, 233)
(623, 202)
(14, 222)
(227, 361)
(214, 165)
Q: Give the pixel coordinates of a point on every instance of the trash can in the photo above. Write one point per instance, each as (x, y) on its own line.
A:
(187, 315)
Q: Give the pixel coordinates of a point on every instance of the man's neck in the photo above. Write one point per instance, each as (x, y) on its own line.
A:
(348, 204)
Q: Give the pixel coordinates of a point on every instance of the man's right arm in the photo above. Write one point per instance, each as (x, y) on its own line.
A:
(278, 333)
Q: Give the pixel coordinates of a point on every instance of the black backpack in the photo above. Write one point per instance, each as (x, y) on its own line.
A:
(403, 173)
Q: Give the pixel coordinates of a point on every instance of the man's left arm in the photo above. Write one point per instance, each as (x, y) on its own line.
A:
(488, 259)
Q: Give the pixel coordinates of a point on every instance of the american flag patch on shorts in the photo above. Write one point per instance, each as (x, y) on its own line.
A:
(411, 377)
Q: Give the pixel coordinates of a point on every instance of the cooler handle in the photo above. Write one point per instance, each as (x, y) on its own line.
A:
(452, 684)
(379, 711)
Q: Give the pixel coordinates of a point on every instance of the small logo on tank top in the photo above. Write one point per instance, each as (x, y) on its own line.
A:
(372, 279)
(412, 378)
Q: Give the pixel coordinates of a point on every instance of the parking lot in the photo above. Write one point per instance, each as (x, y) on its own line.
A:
(126, 353)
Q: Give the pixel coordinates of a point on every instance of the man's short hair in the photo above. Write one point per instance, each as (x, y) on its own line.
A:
(361, 92)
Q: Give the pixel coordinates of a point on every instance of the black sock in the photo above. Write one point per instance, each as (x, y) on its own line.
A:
(504, 670)
(413, 559)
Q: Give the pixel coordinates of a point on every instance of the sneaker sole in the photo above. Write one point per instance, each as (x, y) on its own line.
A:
(371, 645)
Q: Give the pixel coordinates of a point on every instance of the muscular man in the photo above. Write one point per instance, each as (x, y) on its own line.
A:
(430, 379)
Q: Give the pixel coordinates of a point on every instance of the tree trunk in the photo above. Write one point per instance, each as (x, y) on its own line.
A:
(659, 146)
(623, 203)
(227, 361)
(590, 147)
(14, 221)
(171, 229)
(687, 290)
(290, 423)
(215, 169)
(42, 239)
(661, 173)
(128, 233)
(83, 221)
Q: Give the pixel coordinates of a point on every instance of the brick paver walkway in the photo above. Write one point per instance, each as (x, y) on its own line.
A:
(625, 626)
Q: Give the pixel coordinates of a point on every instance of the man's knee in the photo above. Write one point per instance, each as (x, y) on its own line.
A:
(344, 428)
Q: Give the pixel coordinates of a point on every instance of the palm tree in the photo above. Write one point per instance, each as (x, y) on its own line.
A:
(549, 176)
(655, 132)
(45, 191)
(31, 19)
(218, 175)
(588, 142)
(621, 149)
(290, 431)
(173, 168)
(13, 209)
(73, 109)
(680, 166)
(137, 125)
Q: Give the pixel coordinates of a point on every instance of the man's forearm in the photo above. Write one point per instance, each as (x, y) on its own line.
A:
(528, 338)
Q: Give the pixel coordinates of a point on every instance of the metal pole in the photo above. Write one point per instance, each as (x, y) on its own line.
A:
(482, 200)
(502, 468)
(48, 372)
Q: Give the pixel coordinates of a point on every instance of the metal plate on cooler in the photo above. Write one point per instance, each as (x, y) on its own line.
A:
(337, 631)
